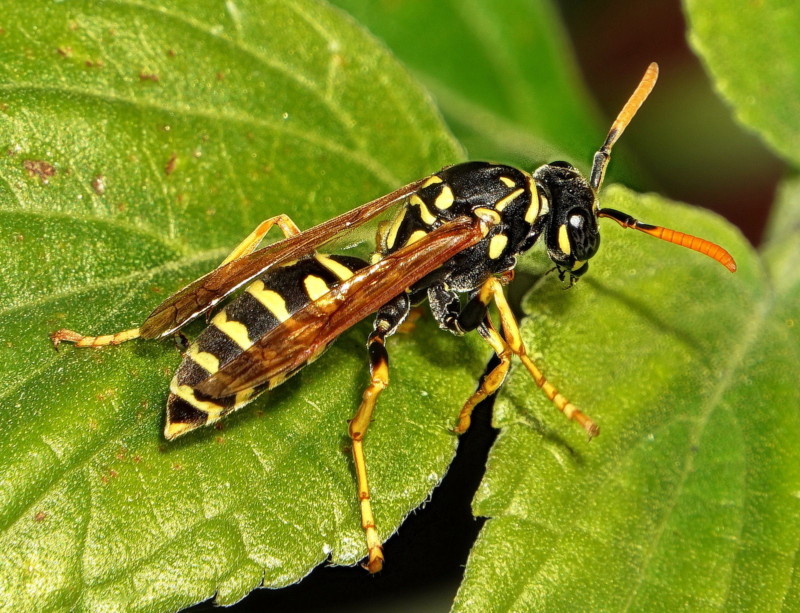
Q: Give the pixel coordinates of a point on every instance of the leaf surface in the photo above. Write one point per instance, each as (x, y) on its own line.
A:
(688, 498)
(503, 74)
(750, 50)
(139, 145)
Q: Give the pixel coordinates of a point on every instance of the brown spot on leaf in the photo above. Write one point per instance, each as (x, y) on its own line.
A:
(106, 394)
(171, 53)
(136, 459)
(95, 63)
(220, 76)
(40, 517)
(149, 76)
(39, 168)
(172, 162)
(64, 51)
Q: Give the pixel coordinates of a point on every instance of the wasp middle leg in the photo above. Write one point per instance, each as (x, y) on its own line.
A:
(387, 320)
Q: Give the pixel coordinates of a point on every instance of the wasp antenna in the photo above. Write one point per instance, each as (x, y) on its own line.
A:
(694, 243)
(602, 157)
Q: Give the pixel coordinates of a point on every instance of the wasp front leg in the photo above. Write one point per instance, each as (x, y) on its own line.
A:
(247, 246)
(387, 320)
(505, 345)
(511, 337)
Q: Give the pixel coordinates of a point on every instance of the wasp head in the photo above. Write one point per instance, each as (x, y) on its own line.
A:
(571, 234)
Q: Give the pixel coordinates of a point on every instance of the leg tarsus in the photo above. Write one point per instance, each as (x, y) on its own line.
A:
(387, 320)
(95, 342)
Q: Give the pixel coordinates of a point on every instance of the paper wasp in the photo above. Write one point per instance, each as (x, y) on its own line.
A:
(458, 231)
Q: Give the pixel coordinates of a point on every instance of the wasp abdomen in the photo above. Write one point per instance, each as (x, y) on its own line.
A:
(266, 303)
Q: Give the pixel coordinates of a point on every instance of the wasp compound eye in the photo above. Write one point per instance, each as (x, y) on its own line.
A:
(584, 237)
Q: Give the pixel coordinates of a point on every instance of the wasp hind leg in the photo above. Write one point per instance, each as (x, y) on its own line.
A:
(510, 343)
(248, 245)
(389, 317)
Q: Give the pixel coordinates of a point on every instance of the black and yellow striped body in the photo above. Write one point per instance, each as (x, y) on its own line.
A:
(459, 191)
(267, 302)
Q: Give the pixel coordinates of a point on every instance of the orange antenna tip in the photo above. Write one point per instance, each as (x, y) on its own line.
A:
(695, 243)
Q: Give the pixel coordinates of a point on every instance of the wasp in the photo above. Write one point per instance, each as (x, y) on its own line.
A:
(457, 233)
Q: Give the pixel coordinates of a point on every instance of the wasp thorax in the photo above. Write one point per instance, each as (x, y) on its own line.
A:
(571, 233)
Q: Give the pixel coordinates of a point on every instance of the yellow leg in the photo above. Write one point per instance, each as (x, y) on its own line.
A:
(93, 341)
(379, 369)
(248, 245)
(491, 382)
(512, 341)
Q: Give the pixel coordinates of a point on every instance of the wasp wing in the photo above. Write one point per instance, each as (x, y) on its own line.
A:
(302, 337)
(202, 294)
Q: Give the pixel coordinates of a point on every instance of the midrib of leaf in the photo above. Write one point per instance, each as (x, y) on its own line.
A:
(760, 311)
(358, 156)
(210, 255)
(144, 231)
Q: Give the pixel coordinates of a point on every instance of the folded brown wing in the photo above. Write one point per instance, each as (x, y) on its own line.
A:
(202, 294)
(302, 337)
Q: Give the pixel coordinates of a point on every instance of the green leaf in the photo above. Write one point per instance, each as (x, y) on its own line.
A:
(139, 145)
(503, 74)
(750, 49)
(687, 500)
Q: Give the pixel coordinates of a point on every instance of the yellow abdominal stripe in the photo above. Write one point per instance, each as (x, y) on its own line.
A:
(235, 330)
(340, 270)
(272, 301)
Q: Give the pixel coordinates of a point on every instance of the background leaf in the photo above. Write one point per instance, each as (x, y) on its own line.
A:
(140, 144)
(686, 499)
(750, 50)
(502, 73)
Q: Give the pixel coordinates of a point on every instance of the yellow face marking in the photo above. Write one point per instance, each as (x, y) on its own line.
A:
(375, 258)
(424, 212)
(315, 287)
(533, 211)
(488, 215)
(445, 199)
(503, 203)
(544, 204)
(235, 330)
(204, 359)
(563, 239)
(391, 237)
(508, 182)
(578, 264)
(272, 301)
(340, 270)
(415, 236)
(496, 245)
(432, 180)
